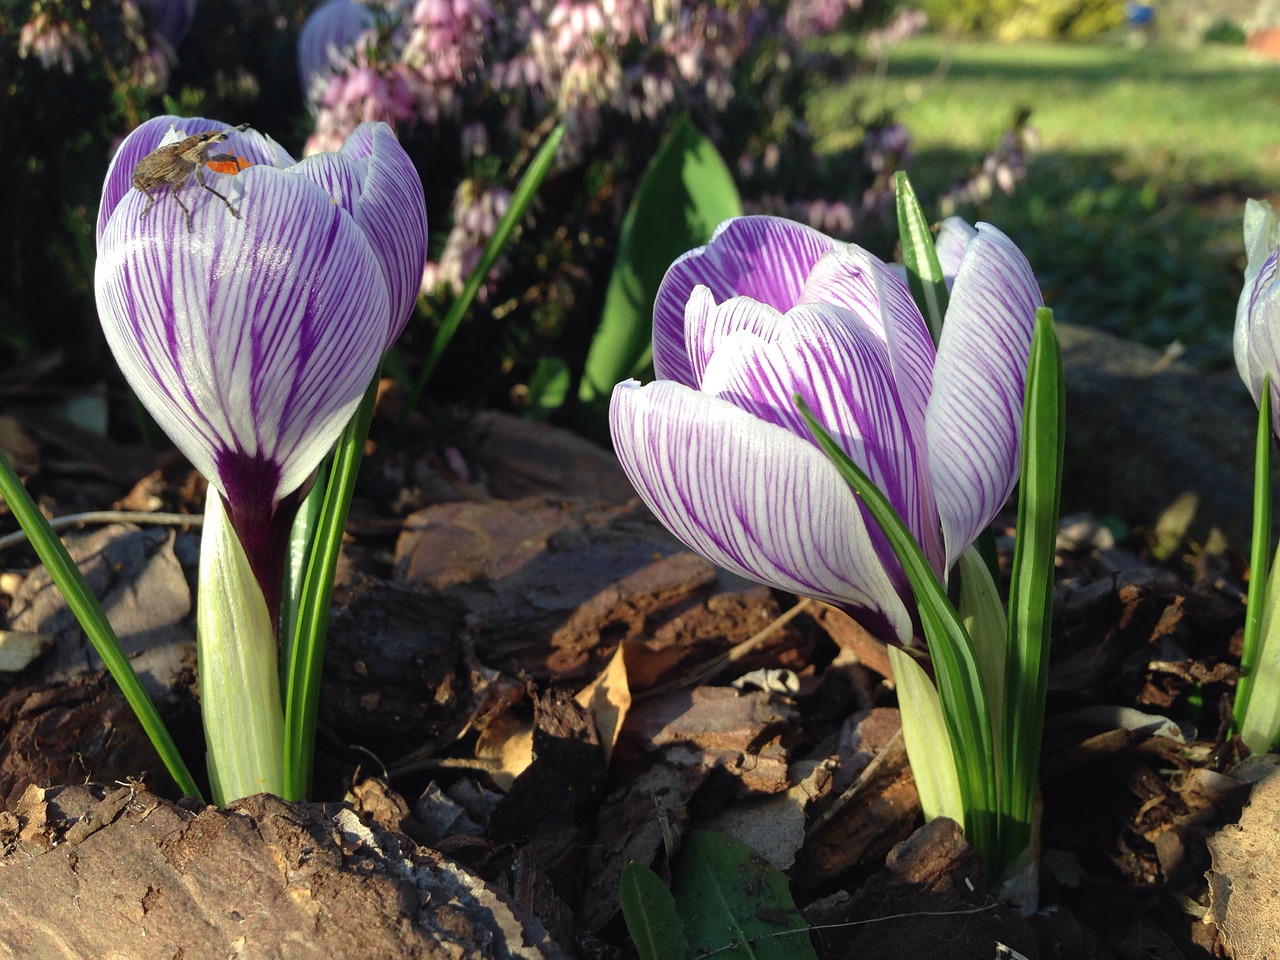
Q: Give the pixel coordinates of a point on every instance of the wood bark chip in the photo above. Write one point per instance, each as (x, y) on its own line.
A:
(876, 807)
(63, 733)
(144, 591)
(263, 879)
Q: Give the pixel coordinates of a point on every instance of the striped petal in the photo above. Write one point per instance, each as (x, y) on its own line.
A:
(953, 238)
(1257, 338)
(249, 340)
(708, 323)
(842, 371)
(881, 302)
(256, 148)
(392, 213)
(1258, 310)
(753, 498)
(974, 420)
(765, 258)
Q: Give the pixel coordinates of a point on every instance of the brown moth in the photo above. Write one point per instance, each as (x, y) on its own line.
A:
(171, 166)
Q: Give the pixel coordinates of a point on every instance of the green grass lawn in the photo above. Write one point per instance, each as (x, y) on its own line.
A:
(1131, 210)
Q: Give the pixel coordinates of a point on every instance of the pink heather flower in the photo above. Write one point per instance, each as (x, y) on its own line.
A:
(476, 212)
(52, 41)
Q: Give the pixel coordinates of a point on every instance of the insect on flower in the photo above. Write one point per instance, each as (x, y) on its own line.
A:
(171, 166)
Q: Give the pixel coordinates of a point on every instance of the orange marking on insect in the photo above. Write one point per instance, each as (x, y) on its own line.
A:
(231, 167)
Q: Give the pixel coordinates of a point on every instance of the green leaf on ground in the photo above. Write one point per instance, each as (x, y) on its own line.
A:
(735, 905)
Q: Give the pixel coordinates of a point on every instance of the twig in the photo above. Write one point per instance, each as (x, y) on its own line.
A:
(716, 665)
(109, 516)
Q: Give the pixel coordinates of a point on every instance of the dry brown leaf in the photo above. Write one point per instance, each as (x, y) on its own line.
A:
(1246, 875)
(506, 745)
(608, 697)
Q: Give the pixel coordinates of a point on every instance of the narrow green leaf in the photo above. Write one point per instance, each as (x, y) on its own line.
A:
(736, 905)
(298, 556)
(302, 683)
(983, 614)
(524, 193)
(88, 612)
(686, 192)
(1259, 551)
(651, 915)
(1031, 590)
(924, 272)
(924, 732)
(1261, 725)
(955, 664)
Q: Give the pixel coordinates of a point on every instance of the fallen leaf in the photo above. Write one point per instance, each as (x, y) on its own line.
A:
(1246, 875)
(608, 697)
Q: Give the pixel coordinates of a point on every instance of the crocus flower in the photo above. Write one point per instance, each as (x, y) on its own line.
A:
(1257, 332)
(251, 337)
(170, 18)
(327, 42)
(771, 308)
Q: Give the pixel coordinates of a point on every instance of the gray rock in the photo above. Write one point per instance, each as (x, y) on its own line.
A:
(1142, 430)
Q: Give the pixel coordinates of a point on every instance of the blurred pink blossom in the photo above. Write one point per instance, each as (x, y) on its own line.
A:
(52, 41)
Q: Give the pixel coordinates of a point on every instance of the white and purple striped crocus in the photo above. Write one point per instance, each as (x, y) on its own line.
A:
(771, 308)
(251, 339)
(1257, 331)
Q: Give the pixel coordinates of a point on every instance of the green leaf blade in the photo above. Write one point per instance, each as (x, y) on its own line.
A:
(652, 918)
(919, 255)
(686, 192)
(1031, 592)
(89, 613)
(955, 662)
(523, 196)
(1260, 548)
(735, 905)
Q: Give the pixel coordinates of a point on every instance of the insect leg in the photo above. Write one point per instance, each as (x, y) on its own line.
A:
(200, 180)
(151, 199)
(185, 212)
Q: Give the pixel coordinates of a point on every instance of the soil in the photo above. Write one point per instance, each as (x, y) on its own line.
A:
(529, 683)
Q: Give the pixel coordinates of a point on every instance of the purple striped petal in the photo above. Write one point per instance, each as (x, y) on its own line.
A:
(753, 498)
(1257, 335)
(842, 370)
(250, 340)
(765, 258)
(953, 238)
(255, 147)
(1258, 310)
(373, 179)
(392, 213)
(974, 420)
(880, 300)
(708, 323)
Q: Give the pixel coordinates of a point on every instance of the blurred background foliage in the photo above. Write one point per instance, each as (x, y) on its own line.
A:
(1116, 154)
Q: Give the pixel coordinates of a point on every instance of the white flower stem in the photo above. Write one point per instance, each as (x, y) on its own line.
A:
(238, 667)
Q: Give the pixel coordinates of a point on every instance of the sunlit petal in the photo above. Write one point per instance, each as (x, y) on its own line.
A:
(752, 497)
(843, 373)
(252, 340)
(765, 258)
(953, 239)
(393, 213)
(256, 148)
(974, 420)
